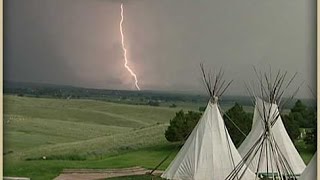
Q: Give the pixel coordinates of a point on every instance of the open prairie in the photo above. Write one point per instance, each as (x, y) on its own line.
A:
(43, 136)
(67, 132)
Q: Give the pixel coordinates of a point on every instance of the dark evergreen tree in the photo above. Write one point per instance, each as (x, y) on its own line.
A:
(311, 136)
(182, 125)
(241, 123)
(202, 108)
(291, 124)
(301, 116)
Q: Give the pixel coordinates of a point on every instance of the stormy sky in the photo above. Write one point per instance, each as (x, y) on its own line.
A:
(77, 42)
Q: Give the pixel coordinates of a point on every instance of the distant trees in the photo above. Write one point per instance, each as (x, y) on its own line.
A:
(301, 116)
(181, 125)
(236, 118)
(311, 138)
(291, 124)
(173, 106)
(153, 103)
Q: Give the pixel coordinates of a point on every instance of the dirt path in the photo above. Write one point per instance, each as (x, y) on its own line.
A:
(95, 174)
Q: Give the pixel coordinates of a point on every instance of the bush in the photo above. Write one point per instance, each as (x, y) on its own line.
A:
(153, 103)
(311, 136)
(202, 108)
(182, 125)
(241, 119)
(291, 124)
(301, 116)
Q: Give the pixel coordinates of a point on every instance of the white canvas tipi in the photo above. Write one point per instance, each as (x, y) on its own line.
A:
(268, 150)
(208, 153)
(281, 138)
(310, 173)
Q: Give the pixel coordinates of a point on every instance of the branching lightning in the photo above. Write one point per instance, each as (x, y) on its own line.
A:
(125, 52)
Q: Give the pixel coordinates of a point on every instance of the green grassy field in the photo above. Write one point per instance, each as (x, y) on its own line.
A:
(80, 133)
(84, 134)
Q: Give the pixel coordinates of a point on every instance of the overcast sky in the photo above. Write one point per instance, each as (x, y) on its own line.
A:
(77, 42)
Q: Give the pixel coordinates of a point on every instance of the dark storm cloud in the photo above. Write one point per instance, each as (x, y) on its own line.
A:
(54, 41)
(78, 42)
(29, 53)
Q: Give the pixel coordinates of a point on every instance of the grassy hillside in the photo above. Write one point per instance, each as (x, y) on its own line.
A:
(74, 120)
(80, 133)
(68, 130)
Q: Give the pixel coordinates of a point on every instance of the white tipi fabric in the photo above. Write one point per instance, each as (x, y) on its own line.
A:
(206, 155)
(281, 137)
(310, 173)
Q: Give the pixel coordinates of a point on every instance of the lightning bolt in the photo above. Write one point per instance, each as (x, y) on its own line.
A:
(125, 52)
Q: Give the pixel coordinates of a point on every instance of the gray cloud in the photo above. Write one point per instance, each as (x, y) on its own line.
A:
(78, 42)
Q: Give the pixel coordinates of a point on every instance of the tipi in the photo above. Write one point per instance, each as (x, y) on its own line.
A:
(208, 153)
(310, 172)
(268, 150)
(280, 136)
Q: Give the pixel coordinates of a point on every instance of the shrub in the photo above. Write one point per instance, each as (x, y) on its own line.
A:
(202, 108)
(181, 125)
(291, 124)
(153, 103)
(241, 119)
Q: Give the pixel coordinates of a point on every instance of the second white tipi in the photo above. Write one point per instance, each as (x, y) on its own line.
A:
(268, 150)
(311, 170)
(281, 137)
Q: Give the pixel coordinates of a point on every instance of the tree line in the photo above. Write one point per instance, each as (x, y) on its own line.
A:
(299, 118)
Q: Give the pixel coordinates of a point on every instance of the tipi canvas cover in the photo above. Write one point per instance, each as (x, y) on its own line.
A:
(267, 161)
(208, 153)
(310, 173)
